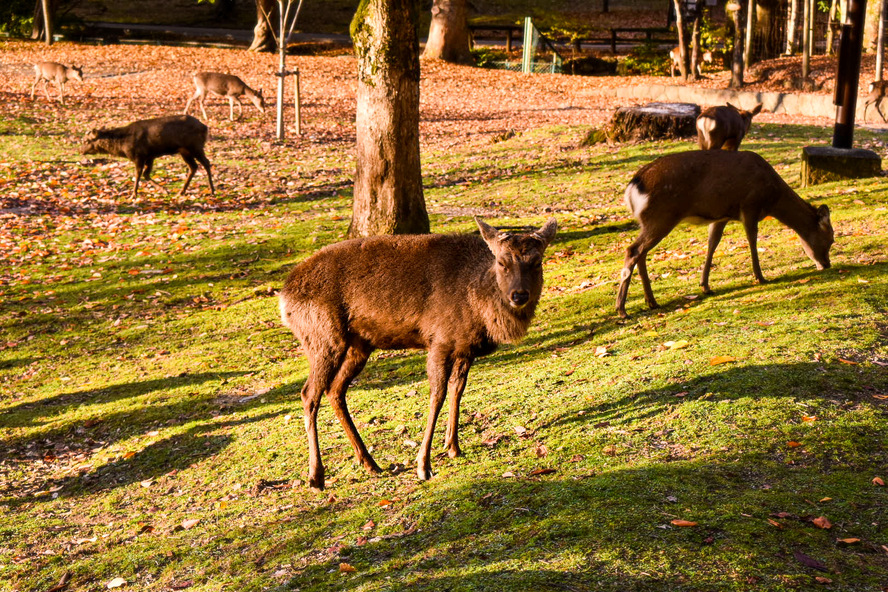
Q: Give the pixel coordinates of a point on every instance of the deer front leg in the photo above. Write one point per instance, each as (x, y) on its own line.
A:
(139, 167)
(61, 86)
(750, 225)
(438, 367)
(716, 230)
(458, 376)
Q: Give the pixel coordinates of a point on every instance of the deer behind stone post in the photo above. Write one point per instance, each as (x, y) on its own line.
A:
(56, 73)
(224, 85)
(724, 127)
(456, 296)
(878, 90)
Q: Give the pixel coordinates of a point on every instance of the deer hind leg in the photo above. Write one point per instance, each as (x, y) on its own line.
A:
(716, 230)
(879, 109)
(191, 100)
(324, 361)
(438, 367)
(636, 255)
(203, 109)
(140, 166)
(192, 168)
(46, 90)
(205, 163)
(34, 86)
(353, 362)
(458, 376)
(750, 225)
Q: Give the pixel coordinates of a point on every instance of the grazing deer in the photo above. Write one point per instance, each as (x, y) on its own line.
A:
(455, 296)
(675, 57)
(723, 127)
(57, 73)
(224, 85)
(714, 187)
(143, 141)
(878, 90)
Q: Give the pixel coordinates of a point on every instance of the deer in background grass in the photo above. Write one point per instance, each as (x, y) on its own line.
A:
(878, 90)
(456, 296)
(714, 187)
(224, 85)
(143, 141)
(675, 57)
(57, 73)
(724, 127)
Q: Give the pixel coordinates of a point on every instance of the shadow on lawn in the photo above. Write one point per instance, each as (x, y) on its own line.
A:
(608, 531)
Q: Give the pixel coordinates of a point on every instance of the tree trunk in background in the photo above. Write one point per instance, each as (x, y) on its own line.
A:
(871, 26)
(768, 29)
(263, 39)
(737, 57)
(44, 16)
(388, 197)
(793, 25)
(829, 27)
(682, 39)
(449, 32)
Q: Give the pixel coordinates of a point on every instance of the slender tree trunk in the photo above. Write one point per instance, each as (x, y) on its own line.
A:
(871, 26)
(449, 32)
(829, 27)
(682, 39)
(263, 38)
(880, 40)
(793, 25)
(388, 195)
(806, 40)
(737, 57)
(695, 42)
(750, 29)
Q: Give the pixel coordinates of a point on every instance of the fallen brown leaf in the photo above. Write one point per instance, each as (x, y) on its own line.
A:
(822, 522)
(683, 523)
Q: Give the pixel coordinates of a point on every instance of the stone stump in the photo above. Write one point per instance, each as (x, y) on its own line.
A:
(654, 121)
(822, 164)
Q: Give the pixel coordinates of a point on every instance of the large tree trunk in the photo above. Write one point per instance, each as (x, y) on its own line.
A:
(44, 16)
(737, 57)
(871, 26)
(263, 37)
(680, 26)
(388, 181)
(449, 32)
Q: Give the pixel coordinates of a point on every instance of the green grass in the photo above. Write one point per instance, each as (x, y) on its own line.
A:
(145, 380)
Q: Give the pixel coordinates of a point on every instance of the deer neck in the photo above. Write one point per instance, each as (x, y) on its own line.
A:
(792, 210)
(503, 323)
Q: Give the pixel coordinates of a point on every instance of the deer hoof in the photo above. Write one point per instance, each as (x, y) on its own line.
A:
(316, 484)
(424, 473)
(454, 450)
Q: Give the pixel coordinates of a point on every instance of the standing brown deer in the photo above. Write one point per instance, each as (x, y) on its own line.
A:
(224, 85)
(878, 90)
(455, 296)
(675, 57)
(57, 73)
(714, 187)
(143, 141)
(723, 127)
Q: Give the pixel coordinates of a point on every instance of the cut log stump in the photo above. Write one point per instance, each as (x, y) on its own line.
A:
(654, 121)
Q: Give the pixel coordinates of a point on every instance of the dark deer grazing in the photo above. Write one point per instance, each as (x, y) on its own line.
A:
(714, 187)
(723, 127)
(143, 141)
(224, 85)
(456, 296)
(57, 73)
(878, 90)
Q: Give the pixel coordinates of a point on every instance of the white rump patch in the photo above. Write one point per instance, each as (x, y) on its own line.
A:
(636, 200)
(705, 125)
(283, 306)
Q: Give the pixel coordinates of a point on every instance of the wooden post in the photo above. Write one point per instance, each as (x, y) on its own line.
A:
(282, 62)
(880, 40)
(298, 105)
(806, 40)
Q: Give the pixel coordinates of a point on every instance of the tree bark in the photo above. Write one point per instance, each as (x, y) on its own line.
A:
(871, 26)
(737, 57)
(44, 16)
(682, 39)
(263, 38)
(449, 32)
(793, 25)
(388, 196)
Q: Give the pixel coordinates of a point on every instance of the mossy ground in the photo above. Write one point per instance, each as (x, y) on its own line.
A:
(146, 381)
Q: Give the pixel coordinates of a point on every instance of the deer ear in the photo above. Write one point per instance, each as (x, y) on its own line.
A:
(823, 215)
(756, 109)
(547, 232)
(732, 106)
(490, 234)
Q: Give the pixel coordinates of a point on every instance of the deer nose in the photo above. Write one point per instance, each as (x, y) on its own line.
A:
(519, 297)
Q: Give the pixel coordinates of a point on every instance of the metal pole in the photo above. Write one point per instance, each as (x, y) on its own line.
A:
(282, 49)
(849, 74)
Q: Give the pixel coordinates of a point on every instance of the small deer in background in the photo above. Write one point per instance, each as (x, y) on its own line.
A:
(457, 296)
(57, 73)
(224, 85)
(675, 56)
(143, 141)
(714, 187)
(878, 90)
(723, 127)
